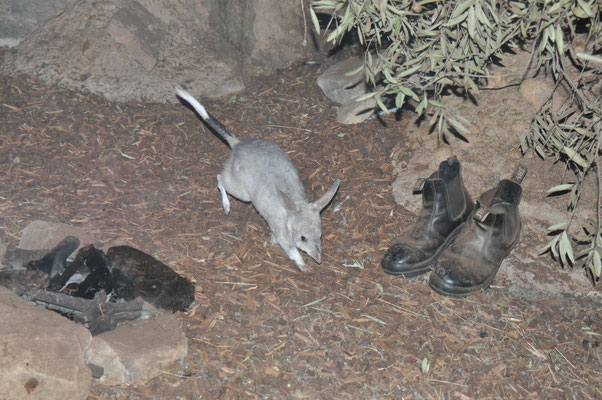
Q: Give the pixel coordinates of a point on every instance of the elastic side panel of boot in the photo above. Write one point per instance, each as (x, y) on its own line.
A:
(454, 188)
(504, 205)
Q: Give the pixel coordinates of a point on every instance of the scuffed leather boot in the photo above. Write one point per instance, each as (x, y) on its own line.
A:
(446, 205)
(472, 260)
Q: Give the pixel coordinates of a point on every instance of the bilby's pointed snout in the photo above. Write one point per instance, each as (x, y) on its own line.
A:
(315, 253)
(318, 258)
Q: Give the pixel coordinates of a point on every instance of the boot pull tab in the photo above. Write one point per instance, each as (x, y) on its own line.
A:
(418, 186)
(481, 214)
(451, 159)
(519, 174)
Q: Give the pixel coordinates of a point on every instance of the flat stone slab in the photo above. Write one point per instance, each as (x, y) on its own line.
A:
(42, 353)
(138, 350)
(45, 235)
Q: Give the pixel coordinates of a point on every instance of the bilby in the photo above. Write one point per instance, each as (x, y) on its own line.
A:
(260, 172)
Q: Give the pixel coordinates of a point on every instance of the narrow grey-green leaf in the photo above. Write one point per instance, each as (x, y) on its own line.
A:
(563, 244)
(556, 227)
(574, 156)
(409, 92)
(551, 33)
(434, 117)
(456, 124)
(481, 15)
(579, 13)
(597, 265)
(437, 104)
(559, 40)
(425, 365)
(569, 252)
(338, 31)
(589, 57)
(314, 19)
(523, 30)
(355, 71)
(389, 77)
(455, 21)
(471, 22)
(544, 41)
(461, 8)
(586, 8)
(399, 99)
(382, 106)
(365, 96)
(421, 107)
(560, 188)
(556, 7)
(408, 71)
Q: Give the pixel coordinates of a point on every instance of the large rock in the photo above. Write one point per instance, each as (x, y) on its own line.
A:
(41, 353)
(538, 90)
(138, 350)
(138, 50)
(270, 33)
(45, 235)
(355, 111)
(19, 17)
(341, 86)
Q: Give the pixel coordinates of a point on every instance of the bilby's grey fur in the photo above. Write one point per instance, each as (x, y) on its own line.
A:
(260, 172)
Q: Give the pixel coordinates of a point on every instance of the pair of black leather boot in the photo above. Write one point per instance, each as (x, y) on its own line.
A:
(462, 242)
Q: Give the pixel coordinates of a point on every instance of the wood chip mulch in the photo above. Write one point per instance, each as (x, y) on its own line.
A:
(144, 175)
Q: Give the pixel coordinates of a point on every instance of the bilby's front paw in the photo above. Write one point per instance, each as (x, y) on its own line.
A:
(298, 259)
(304, 267)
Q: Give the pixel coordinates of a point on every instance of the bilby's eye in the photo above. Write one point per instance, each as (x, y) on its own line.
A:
(303, 239)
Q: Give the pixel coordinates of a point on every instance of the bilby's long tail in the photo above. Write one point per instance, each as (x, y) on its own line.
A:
(208, 118)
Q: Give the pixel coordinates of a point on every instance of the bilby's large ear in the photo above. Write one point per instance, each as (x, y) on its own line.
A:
(288, 204)
(327, 197)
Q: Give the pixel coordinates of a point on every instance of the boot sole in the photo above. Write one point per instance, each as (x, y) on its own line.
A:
(424, 266)
(443, 288)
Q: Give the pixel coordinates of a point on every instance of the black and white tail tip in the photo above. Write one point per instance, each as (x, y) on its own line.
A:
(198, 107)
(212, 122)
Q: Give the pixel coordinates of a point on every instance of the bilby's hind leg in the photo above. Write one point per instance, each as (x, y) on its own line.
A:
(222, 190)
